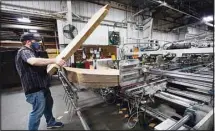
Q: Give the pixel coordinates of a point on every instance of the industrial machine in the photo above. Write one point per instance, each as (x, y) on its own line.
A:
(171, 95)
(164, 88)
(170, 87)
(162, 91)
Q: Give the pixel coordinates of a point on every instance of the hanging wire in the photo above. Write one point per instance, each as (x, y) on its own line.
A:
(137, 104)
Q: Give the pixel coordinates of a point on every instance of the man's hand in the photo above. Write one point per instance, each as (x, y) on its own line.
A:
(60, 61)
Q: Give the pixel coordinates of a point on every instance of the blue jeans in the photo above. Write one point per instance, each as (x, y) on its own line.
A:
(42, 103)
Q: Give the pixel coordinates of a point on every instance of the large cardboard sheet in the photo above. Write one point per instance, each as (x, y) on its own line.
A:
(95, 78)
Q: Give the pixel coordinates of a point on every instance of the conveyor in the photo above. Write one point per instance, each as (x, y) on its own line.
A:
(189, 76)
(175, 99)
(189, 94)
(196, 96)
(180, 123)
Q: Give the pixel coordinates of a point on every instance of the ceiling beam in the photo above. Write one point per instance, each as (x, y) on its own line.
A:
(20, 6)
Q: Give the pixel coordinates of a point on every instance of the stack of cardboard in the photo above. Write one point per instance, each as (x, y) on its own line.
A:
(95, 78)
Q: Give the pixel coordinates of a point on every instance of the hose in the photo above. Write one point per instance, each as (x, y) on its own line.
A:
(158, 47)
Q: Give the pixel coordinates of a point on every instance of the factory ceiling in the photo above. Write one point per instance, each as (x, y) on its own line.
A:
(191, 10)
(11, 29)
(198, 7)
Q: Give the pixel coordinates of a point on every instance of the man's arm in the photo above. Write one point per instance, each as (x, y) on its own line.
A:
(43, 61)
(29, 57)
(40, 61)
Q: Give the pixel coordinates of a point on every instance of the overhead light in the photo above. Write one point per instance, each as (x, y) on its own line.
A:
(33, 31)
(23, 19)
(164, 3)
(160, 2)
(208, 19)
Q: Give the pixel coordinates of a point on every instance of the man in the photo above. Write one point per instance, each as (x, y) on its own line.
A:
(35, 81)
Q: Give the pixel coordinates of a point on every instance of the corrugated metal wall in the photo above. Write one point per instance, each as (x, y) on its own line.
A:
(100, 35)
(83, 8)
(158, 35)
(161, 35)
(196, 30)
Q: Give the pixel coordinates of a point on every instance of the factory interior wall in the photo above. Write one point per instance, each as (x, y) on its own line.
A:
(100, 35)
(192, 31)
(181, 34)
(197, 30)
(164, 37)
(87, 9)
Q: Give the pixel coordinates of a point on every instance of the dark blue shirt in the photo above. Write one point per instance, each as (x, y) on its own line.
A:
(33, 78)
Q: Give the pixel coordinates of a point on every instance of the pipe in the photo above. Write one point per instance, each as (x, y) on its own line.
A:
(178, 124)
(164, 72)
(195, 37)
(83, 122)
(134, 15)
(203, 98)
(187, 76)
(145, 85)
(179, 46)
(172, 97)
(158, 47)
(192, 85)
(102, 24)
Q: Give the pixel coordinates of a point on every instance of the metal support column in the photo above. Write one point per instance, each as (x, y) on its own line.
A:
(69, 21)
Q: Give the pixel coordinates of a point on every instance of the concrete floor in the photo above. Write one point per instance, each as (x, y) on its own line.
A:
(99, 116)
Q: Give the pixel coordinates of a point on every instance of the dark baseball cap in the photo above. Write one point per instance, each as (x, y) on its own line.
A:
(30, 36)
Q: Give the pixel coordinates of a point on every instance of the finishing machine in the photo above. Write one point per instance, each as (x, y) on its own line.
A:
(162, 92)
(170, 98)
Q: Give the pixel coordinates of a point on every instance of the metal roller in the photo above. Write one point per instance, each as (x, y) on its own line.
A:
(178, 124)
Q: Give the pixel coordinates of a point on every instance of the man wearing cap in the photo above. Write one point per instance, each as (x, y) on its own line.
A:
(35, 81)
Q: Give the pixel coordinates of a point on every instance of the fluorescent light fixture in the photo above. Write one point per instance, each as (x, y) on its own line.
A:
(24, 20)
(164, 3)
(33, 31)
(208, 19)
(160, 2)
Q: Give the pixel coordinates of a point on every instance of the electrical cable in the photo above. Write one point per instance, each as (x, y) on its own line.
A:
(128, 123)
(137, 106)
